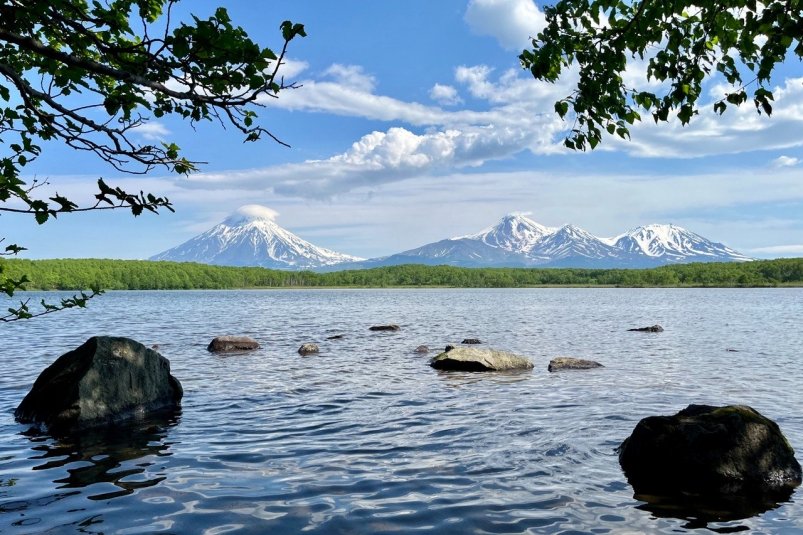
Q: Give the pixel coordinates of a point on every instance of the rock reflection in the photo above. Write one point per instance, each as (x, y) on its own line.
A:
(700, 512)
(108, 455)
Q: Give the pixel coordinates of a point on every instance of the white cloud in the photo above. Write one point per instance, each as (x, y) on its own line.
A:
(785, 161)
(153, 131)
(257, 211)
(445, 95)
(352, 76)
(511, 22)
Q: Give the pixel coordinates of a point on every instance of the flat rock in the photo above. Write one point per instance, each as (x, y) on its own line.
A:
(653, 329)
(569, 363)
(471, 341)
(336, 337)
(308, 349)
(391, 327)
(710, 451)
(106, 380)
(477, 359)
(223, 344)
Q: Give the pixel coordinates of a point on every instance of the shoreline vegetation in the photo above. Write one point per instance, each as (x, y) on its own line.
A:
(81, 274)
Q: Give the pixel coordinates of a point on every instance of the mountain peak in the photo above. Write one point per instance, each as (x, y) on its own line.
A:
(251, 237)
(515, 232)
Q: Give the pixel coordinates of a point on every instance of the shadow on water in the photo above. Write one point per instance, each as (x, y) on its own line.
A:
(700, 512)
(107, 455)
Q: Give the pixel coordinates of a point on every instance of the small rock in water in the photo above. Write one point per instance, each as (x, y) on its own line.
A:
(654, 329)
(308, 349)
(391, 327)
(336, 337)
(469, 341)
(107, 380)
(222, 344)
(731, 350)
(476, 360)
(569, 363)
(711, 452)
(421, 349)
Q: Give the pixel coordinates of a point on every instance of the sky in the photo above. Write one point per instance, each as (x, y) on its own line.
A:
(414, 122)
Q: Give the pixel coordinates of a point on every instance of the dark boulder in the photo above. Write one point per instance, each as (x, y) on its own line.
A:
(569, 363)
(470, 341)
(308, 349)
(336, 337)
(448, 348)
(225, 344)
(474, 359)
(421, 349)
(709, 451)
(105, 381)
(391, 327)
(653, 329)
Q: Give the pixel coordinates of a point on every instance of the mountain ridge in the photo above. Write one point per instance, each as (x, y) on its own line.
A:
(252, 237)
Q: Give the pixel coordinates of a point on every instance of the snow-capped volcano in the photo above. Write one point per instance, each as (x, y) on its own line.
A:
(515, 233)
(251, 237)
(518, 241)
(671, 243)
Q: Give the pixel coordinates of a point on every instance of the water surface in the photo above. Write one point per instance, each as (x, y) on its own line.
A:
(366, 438)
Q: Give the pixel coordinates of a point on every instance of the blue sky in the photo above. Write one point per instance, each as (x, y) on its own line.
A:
(414, 123)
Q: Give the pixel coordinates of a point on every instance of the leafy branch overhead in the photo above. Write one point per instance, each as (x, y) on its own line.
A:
(89, 74)
(684, 43)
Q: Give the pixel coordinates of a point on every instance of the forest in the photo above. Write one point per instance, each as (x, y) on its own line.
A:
(82, 274)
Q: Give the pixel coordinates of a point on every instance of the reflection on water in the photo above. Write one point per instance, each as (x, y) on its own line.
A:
(367, 438)
(700, 511)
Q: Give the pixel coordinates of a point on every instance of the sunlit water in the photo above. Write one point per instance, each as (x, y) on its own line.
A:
(367, 438)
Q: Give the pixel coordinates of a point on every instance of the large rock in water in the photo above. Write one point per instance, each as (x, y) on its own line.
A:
(104, 381)
(479, 360)
(569, 363)
(225, 344)
(709, 451)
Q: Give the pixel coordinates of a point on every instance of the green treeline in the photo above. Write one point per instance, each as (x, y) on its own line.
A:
(145, 275)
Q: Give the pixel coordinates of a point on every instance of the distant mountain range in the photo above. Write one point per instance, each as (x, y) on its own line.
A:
(252, 238)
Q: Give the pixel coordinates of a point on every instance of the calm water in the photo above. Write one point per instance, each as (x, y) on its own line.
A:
(367, 438)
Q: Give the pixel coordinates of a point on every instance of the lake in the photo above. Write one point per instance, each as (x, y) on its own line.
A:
(367, 438)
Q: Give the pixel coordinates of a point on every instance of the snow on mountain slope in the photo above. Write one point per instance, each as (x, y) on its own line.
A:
(569, 242)
(515, 233)
(671, 244)
(250, 237)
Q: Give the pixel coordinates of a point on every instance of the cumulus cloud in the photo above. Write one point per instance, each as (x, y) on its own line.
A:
(785, 161)
(511, 22)
(445, 95)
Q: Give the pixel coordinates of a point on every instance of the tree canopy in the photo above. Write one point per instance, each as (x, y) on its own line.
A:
(88, 74)
(684, 42)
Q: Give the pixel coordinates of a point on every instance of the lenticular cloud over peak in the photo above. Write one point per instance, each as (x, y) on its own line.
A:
(256, 212)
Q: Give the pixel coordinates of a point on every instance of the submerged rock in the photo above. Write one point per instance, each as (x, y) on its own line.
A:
(391, 327)
(569, 363)
(308, 349)
(653, 329)
(421, 349)
(470, 341)
(223, 344)
(106, 380)
(476, 359)
(710, 451)
(336, 337)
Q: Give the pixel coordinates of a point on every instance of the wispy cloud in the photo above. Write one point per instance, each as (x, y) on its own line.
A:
(785, 161)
